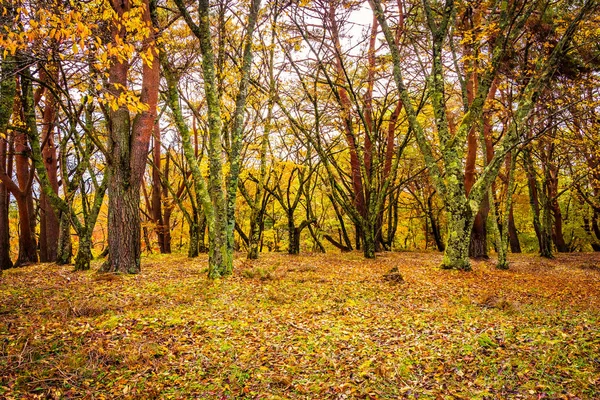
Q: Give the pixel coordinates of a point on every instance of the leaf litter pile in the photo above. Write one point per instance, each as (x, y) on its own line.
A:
(304, 327)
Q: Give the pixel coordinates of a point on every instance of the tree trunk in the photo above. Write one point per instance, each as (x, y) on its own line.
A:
(557, 231)
(255, 231)
(124, 225)
(293, 246)
(596, 230)
(316, 240)
(358, 235)
(147, 242)
(460, 224)
(237, 130)
(27, 245)
(435, 229)
(167, 228)
(49, 223)
(515, 245)
(552, 188)
(7, 97)
(5, 261)
(27, 242)
(202, 248)
(369, 240)
(478, 243)
(168, 209)
(545, 230)
(84, 253)
(345, 104)
(193, 238)
(129, 142)
(65, 247)
(297, 233)
(541, 230)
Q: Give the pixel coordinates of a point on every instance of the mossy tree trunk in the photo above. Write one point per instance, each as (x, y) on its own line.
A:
(238, 127)
(193, 250)
(501, 217)
(84, 252)
(7, 98)
(220, 214)
(459, 226)
(553, 195)
(65, 247)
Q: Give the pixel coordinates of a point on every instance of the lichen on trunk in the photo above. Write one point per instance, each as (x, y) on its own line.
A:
(460, 222)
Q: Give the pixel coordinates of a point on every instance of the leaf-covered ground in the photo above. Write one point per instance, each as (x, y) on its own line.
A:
(304, 327)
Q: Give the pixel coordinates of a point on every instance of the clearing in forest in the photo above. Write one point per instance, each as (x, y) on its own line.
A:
(304, 327)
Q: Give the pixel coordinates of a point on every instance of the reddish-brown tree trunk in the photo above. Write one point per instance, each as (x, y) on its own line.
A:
(25, 173)
(21, 190)
(49, 223)
(557, 229)
(478, 243)
(370, 133)
(129, 144)
(27, 245)
(346, 105)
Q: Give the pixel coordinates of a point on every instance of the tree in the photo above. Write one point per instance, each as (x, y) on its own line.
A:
(220, 211)
(362, 177)
(129, 139)
(7, 98)
(460, 208)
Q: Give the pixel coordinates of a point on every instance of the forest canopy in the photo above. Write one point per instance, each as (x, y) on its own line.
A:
(144, 126)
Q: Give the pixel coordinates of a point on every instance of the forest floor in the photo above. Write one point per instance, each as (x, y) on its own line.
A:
(304, 327)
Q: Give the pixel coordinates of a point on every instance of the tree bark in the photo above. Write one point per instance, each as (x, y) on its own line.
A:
(515, 245)
(194, 237)
(7, 98)
(5, 260)
(293, 244)
(460, 223)
(435, 230)
(539, 225)
(128, 148)
(49, 221)
(557, 228)
(65, 247)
